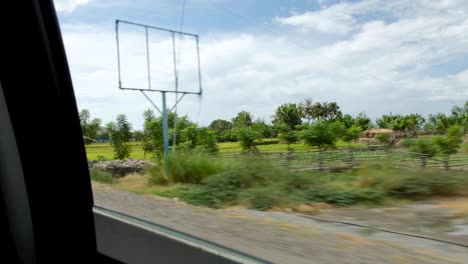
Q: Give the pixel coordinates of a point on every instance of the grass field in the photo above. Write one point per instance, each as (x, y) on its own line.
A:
(268, 145)
(105, 149)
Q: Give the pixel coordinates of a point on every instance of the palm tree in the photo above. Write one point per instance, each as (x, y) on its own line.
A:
(243, 119)
(307, 108)
(318, 111)
(331, 110)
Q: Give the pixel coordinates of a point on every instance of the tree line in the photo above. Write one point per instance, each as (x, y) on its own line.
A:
(318, 124)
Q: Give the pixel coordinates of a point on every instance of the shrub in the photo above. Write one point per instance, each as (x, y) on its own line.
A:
(342, 196)
(101, 176)
(101, 158)
(216, 190)
(409, 142)
(247, 139)
(412, 184)
(185, 168)
(426, 184)
(255, 182)
(262, 198)
(156, 175)
(424, 146)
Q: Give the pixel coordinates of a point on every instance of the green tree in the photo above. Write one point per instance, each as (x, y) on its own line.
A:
(223, 130)
(138, 135)
(318, 111)
(449, 143)
(460, 116)
(200, 139)
(84, 120)
(120, 137)
(332, 110)
(265, 130)
(206, 140)
(414, 122)
(93, 128)
(247, 139)
(288, 114)
(89, 128)
(425, 147)
(152, 132)
(363, 121)
(148, 115)
(153, 139)
(347, 120)
(439, 123)
(189, 136)
(352, 133)
(287, 135)
(322, 135)
(326, 111)
(243, 119)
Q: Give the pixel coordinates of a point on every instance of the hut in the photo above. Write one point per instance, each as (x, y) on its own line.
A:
(370, 133)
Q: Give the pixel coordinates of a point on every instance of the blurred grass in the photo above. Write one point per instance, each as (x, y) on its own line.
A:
(255, 183)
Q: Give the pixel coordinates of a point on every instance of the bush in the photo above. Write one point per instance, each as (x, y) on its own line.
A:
(423, 185)
(409, 142)
(424, 146)
(101, 158)
(411, 184)
(255, 182)
(262, 198)
(185, 168)
(216, 190)
(156, 175)
(101, 176)
(342, 196)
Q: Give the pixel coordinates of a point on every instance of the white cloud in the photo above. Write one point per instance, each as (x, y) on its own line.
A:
(336, 19)
(68, 5)
(382, 66)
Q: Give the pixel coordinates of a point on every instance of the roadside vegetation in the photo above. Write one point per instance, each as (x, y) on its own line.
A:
(231, 163)
(255, 183)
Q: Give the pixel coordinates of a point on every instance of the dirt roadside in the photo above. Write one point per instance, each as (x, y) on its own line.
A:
(282, 237)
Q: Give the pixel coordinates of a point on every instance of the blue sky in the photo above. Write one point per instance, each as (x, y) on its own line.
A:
(371, 56)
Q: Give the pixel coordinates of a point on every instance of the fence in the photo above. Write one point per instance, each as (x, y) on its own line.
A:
(354, 158)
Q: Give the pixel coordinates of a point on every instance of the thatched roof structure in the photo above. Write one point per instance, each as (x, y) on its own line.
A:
(370, 133)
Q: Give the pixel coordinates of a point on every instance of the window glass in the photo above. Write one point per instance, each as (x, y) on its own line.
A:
(296, 131)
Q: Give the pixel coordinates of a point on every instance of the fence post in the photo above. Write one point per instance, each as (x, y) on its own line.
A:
(446, 163)
(423, 161)
(351, 157)
(320, 159)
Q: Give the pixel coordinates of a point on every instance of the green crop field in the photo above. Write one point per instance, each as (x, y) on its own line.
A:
(105, 150)
(268, 145)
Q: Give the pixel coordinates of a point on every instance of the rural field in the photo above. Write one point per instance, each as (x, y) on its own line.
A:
(338, 187)
(268, 145)
(374, 214)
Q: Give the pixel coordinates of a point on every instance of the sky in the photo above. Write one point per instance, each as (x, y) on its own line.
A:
(371, 56)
